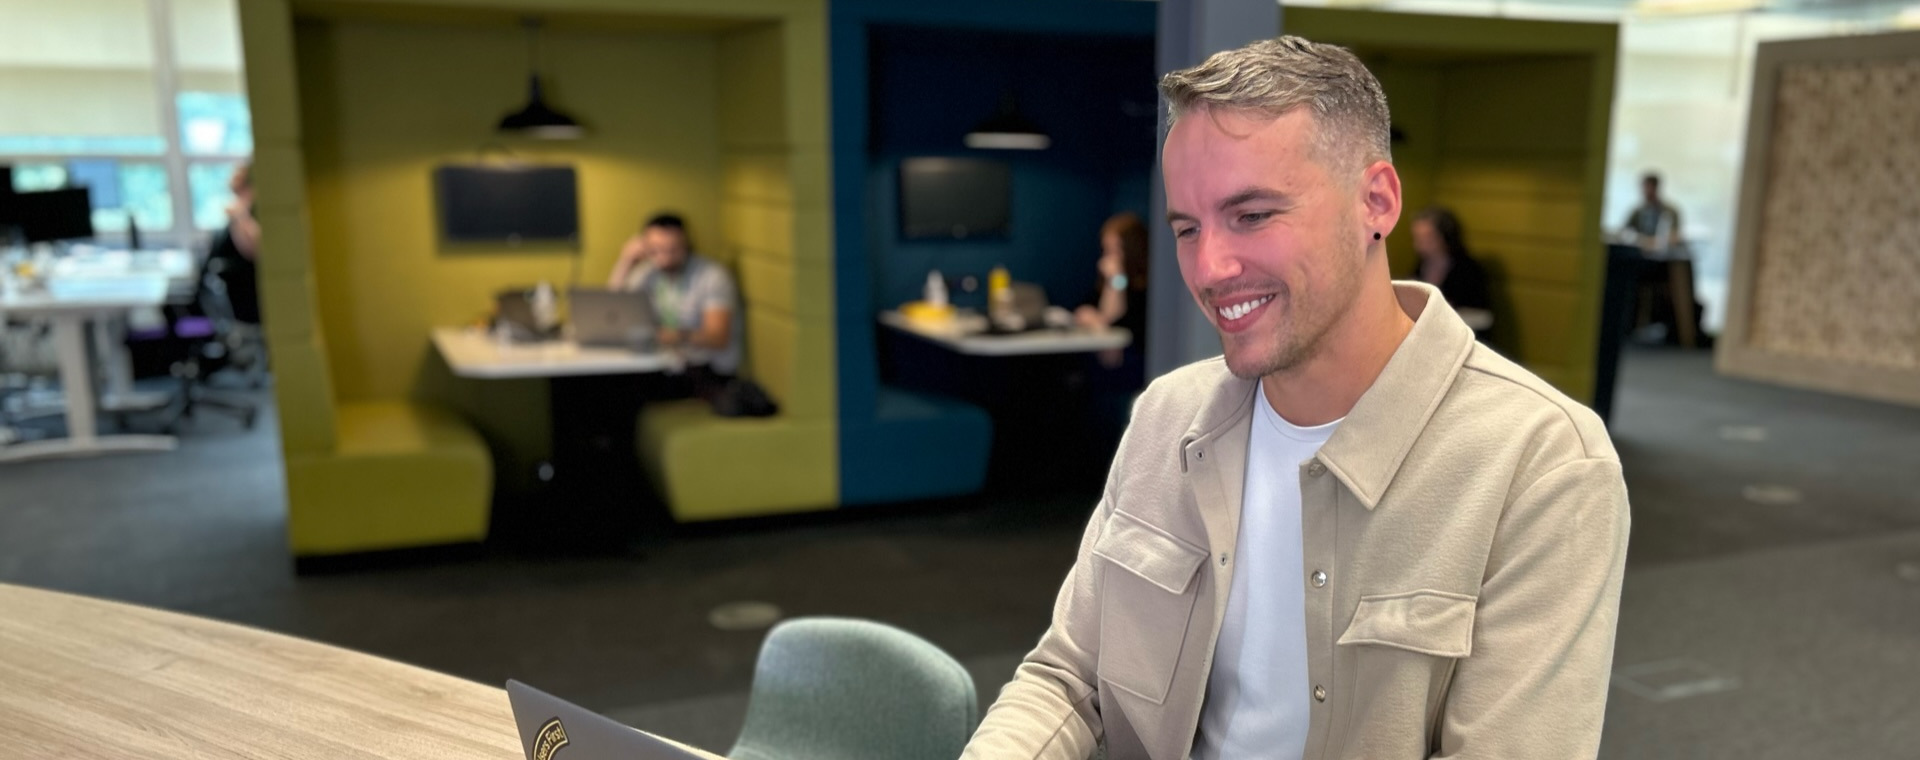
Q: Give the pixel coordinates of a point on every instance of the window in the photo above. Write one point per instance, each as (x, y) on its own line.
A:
(142, 101)
(215, 124)
(207, 182)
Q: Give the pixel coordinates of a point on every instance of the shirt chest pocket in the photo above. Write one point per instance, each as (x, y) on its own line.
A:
(1146, 604)
(1432, 623)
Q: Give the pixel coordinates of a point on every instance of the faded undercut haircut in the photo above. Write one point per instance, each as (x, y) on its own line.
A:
(1273, 77)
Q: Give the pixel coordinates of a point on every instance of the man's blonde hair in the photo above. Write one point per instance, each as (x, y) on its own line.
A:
(1273, 77)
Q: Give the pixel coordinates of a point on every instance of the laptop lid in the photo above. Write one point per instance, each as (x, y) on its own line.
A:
(516, 309)
(612, 318)
(548, 725)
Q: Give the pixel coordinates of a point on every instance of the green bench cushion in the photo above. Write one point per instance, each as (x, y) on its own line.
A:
(401, 475)
(709, 467)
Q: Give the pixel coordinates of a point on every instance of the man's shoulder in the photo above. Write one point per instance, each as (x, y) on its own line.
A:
(1514, 402)
(1183, 395)
(707, 271)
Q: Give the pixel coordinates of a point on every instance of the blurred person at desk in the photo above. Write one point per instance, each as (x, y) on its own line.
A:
(694, 300)
(1665, 294)
(1446, 264)
(232, 256)
(1655, 224)
(1120, 298)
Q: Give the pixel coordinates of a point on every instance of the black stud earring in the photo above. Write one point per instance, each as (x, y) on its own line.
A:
(1376, 236)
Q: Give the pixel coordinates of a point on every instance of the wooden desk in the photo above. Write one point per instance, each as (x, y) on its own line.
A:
(90, 678)
(1031, 343)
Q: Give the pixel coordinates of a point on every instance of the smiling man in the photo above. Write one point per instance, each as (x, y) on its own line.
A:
(1357, 534)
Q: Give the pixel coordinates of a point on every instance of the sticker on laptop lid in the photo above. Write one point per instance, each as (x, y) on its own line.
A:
(551, 738)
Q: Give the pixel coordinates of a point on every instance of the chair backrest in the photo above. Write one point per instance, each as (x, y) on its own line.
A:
(840, 689)
(211, 296)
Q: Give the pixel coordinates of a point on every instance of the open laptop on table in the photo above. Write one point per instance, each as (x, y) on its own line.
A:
(549, 724)
(612, 318)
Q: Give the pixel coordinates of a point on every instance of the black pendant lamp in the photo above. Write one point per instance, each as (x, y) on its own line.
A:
(536, 119)
(1006, 129)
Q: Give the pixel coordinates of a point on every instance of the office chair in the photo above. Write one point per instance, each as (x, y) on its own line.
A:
(11, 385)
(27, 366)
(209, 340)
(841, 689)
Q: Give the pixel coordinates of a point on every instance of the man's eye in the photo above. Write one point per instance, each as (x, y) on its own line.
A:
(1255, 217)
(1186, 232)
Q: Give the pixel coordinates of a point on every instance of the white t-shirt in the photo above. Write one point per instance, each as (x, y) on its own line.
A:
(1258, 692)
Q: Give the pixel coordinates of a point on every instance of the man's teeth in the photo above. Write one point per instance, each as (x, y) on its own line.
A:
(1239, 310)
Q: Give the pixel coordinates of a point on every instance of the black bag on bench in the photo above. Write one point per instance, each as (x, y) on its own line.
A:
(743, 398)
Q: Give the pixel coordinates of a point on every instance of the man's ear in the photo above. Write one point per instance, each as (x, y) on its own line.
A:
(1380, 200)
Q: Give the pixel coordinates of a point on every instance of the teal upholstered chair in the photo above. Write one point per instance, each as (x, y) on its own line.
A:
(839, 689)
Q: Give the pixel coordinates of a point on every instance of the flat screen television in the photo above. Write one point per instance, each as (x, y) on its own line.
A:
(508, 205)
(955, 199)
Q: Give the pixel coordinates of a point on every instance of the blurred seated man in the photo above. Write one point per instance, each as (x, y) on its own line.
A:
(694, 300)
(1655, 224)
(1666, 291)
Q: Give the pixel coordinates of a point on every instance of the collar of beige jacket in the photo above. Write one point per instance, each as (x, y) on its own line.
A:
(1372, 441)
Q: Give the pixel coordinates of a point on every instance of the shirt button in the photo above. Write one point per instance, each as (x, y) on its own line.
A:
(1223, 559)
(1319, 578)
(1316, 469)
(1319, 693)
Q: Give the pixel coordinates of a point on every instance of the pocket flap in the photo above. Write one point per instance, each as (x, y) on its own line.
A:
(1429, 622)
(1149, 552)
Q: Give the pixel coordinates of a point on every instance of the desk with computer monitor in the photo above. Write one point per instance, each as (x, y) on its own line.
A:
(71, 292)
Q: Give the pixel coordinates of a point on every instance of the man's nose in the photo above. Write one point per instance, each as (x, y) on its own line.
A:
(1214, 260)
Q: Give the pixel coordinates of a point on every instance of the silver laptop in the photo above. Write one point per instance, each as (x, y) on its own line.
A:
(549, 724)
(612, 318)
(515, 311)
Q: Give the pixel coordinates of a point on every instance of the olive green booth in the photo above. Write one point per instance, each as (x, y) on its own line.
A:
(356, 101)
(1505, 121)
(360, 475)
(777, 234)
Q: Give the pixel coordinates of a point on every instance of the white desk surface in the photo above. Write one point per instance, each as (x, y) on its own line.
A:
(69, 315)
(1030, 343)
(42, 303)
(101, 282)
(475, 354)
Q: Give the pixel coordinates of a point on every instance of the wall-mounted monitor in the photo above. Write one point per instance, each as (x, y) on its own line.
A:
(512, 204)
(955, 199)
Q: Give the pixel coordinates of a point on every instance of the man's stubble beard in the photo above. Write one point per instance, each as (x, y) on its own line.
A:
(1314, 311)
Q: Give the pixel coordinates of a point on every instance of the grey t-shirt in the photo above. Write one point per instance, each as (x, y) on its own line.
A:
(681, 301)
